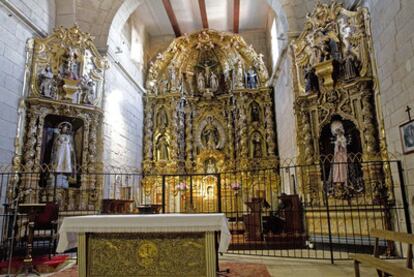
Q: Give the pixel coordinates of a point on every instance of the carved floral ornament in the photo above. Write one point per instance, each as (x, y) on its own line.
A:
(68, 67)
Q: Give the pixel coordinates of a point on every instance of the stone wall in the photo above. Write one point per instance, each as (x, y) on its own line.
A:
(123, 118)
(13, 36)
(393, 36)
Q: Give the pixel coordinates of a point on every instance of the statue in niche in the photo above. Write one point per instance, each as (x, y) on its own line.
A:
(210, 166)
(214, 84)
(70, 66)
(48, 84)
(238, 75)
(63, 156)
(201, 84)
(340, 158)
(251, 78)
(256, 146)
(162, 119)
(162, 149)
(350, 66)
(311, 80)
(172, 76)
(255, 112)
(88, 90)
(210, 135)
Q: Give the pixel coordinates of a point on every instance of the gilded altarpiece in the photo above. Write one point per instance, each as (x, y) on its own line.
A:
(208, 110)
(337, 101)
(59, 133)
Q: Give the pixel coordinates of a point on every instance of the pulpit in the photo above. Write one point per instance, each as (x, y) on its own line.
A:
(253, 220)
(145, 245)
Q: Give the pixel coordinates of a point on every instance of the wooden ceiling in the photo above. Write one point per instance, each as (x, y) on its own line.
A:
(165, 17)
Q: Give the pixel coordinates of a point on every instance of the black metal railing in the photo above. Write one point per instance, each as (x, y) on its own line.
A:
(300, 211)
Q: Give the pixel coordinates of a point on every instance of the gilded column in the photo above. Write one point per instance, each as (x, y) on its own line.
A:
(269, 128)
(369, 129)
(148, 130)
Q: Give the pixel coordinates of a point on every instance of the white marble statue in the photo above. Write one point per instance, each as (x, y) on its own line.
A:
(340, 158)
(214, 83)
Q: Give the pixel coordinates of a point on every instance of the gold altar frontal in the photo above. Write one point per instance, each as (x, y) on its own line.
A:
(147, 254)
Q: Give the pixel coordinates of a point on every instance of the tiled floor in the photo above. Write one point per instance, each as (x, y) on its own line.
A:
(308, 268)
(282, 267)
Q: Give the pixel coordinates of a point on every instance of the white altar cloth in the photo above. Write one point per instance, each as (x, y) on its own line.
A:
(142, 224)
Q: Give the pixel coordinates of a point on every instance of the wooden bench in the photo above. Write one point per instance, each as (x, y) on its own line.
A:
(386, 268)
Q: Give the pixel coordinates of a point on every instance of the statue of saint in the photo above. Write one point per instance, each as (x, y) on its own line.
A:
(162, 149)
(340, 158)
(255, 112)
(201, 84)
(311, 80)
(213, 82)
(251, 78)
(162, 120)
(172, 75)
(48, 84)
(350, 66)
(238, 75)
(70, 67)
(210, 166)
(257, 146)
(88, 90)
(63, 151)
(210, 134)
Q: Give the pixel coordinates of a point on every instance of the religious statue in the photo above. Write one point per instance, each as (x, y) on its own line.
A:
(256, 146)
(311, 80)
(48, 84)
(350, 66)
(251, 78)
(238, 76)
(162, 149)
(63, 158)
(162, 119)
(70, 66)
(88, 88)
(210, 166)
(201, 84)
(210, 134)
(255, 112)
(261, 68)
(340, 157)
(214, 84)
(172, 76)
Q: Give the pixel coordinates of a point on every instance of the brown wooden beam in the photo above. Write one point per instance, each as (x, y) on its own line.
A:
(171, 16)
(203, 11)
(236, 16)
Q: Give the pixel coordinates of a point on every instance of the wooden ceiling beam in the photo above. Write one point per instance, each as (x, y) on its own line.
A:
(236, 16)
(171, 16)
(203, 11)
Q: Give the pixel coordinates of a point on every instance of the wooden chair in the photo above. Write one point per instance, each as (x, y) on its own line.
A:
(46, 226)
(386, 268)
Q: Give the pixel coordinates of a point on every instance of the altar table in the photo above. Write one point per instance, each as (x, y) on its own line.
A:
(145, 245)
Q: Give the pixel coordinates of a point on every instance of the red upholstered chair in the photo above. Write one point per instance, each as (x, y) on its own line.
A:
(46, 226)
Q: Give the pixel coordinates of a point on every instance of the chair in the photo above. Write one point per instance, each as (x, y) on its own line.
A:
(46, 226)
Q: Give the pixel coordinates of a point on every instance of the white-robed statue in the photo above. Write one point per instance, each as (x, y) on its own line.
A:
(340, 158)
(63, 154)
